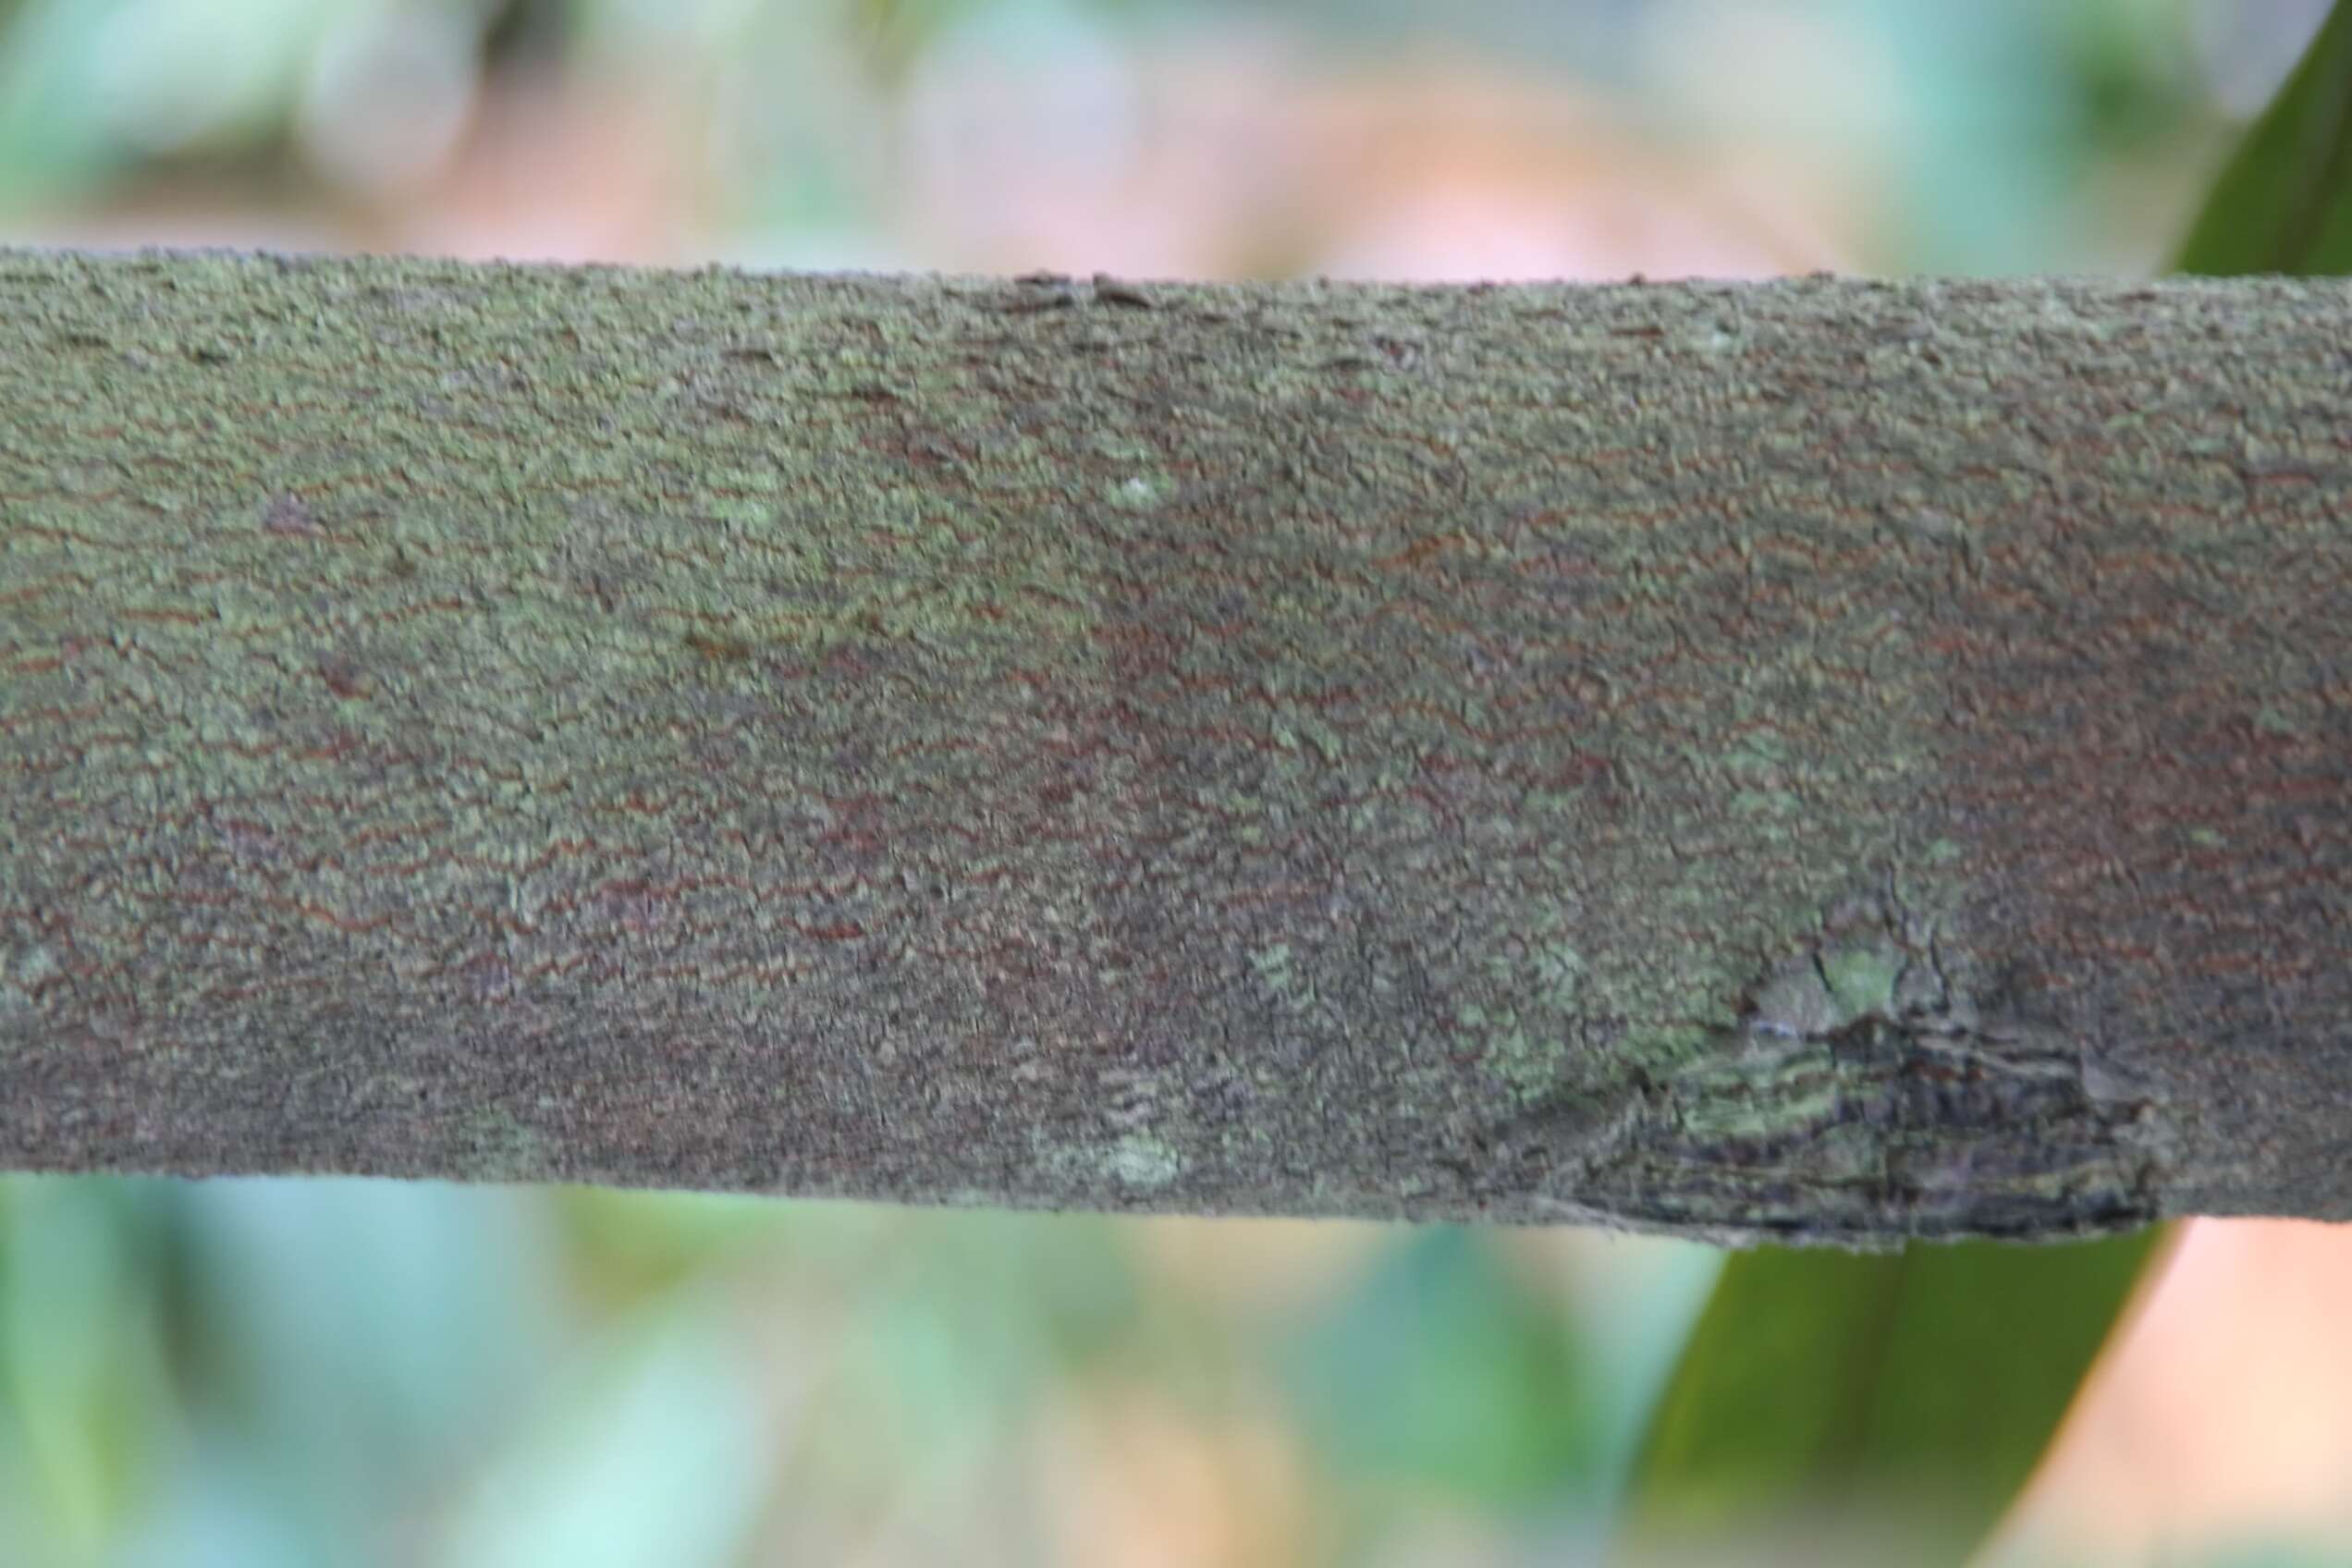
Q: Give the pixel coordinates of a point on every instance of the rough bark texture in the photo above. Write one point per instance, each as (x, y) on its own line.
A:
(1829, 759)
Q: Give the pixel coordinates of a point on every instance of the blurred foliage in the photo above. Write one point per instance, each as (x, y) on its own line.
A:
(1443, 1373)
(81, 1350)
(1993, 117)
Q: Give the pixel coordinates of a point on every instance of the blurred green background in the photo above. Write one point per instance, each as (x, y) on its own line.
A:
(263, 1373)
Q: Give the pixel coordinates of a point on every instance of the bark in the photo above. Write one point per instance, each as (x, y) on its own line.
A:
(1828, 759)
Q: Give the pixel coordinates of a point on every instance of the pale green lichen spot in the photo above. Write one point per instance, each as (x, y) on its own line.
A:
(1140, 1159)
(1140, 490)
(1862, 978)
(1797, 1003)
(501, 1148)
(1285, 984)
(20, 973)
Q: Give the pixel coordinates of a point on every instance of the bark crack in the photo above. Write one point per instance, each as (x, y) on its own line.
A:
(1862, 1095)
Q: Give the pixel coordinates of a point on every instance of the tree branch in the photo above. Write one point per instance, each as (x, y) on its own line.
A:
(1828, 759)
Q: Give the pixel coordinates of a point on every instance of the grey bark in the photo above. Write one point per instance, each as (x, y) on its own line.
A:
(1826, 759)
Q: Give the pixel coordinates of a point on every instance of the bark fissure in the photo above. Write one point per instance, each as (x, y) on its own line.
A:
(1827, 758)
(1860, 1092)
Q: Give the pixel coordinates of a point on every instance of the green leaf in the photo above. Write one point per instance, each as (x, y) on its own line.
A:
(2283, 202)
(1824, 1395)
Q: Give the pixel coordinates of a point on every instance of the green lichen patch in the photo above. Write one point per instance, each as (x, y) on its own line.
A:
(1281, 979)
(1133, 1161)
(497, 1147)
(1139, 1160)
(1861, 977)
(20, 972)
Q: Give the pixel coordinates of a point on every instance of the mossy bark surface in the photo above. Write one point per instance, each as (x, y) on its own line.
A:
(1824, 759)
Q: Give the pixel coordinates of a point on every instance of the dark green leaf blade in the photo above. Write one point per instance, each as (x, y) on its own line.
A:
(1827, 1400)
(2283, 203)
